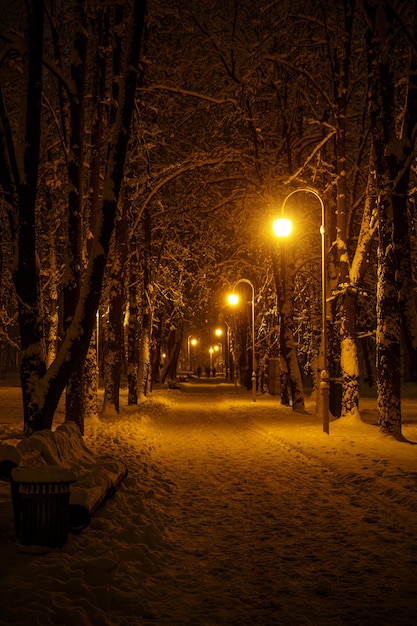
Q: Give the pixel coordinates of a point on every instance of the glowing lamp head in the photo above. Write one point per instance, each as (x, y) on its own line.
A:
(233, 299)
(282, 227)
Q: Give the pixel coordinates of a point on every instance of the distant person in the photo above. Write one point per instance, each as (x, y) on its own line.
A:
(199, 371)
(208, 371)
(214, 372)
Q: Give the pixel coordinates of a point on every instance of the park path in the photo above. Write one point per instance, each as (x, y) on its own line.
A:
(233, 513)
(266, 534)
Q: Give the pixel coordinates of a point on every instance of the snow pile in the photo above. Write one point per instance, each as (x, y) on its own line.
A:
(233, 512)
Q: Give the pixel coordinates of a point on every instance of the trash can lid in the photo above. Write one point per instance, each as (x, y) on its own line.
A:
(43, 474)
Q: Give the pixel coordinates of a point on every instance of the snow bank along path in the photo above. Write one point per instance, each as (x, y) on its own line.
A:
(233, 513)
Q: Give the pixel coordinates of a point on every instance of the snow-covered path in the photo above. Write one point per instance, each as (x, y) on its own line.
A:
(234, 513)
(263, 534)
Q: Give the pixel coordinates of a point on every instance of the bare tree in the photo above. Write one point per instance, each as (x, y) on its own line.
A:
(41, 386)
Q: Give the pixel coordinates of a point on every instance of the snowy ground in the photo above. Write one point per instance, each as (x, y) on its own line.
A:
(233, 513)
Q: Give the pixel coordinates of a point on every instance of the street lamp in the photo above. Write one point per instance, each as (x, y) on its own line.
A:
(233, 299)
(218, 347)
(282, 228)
(191, 341)
(219, 333)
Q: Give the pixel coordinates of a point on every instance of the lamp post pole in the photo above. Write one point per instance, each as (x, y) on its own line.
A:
(219, 333)
(248, 282)
(228, 373)
(190, 343)
(324, 375)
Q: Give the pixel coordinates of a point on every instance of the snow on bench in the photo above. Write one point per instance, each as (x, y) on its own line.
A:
(97, 478)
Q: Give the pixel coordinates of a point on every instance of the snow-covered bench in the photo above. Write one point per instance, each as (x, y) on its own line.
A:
(96, 478)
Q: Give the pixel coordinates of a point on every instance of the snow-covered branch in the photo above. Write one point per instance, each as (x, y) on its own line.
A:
(189, 93)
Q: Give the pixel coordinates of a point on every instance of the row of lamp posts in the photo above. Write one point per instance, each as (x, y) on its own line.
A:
(282, 228)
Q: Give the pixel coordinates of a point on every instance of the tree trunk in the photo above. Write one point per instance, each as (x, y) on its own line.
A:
(347, 303)
(349, 359)
(291, 382)
(26, 274)
(144, 371)
(91, 404)
(360, 262)
(388, 333)
(53, 308)
(113, 360)
(133, 322)
(404, 219)
(174, 346)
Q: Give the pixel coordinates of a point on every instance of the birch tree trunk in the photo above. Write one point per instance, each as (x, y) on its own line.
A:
(74, 399)
(133, 322)
(174, 347)
(358, 268)
(349, 361)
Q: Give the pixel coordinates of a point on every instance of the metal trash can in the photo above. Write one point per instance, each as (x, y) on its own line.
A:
(40, 499)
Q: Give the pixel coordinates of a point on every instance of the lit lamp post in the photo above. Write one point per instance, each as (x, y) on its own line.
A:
(191, 341)
(219, 348)
(233, 299)
(219, 333)
(282, 228)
